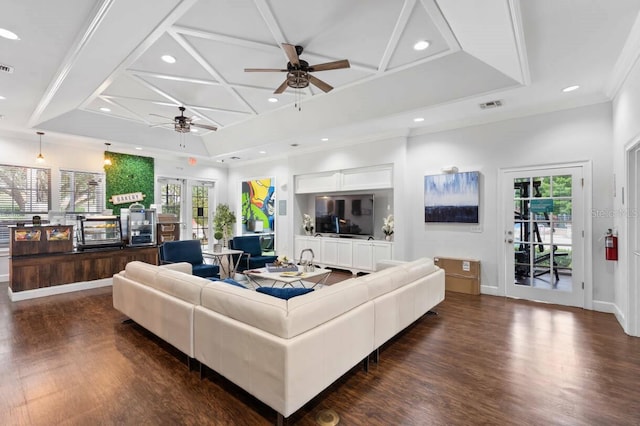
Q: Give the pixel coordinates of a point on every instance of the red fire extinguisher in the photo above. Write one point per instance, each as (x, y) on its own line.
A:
(611, 246)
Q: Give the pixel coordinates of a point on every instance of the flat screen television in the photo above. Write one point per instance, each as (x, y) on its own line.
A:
(345, 215)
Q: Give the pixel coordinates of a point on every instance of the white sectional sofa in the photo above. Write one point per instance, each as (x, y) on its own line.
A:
(283, 352)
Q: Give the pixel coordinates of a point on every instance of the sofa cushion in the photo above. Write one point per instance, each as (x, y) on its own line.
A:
(384, 281)
(180, 266)
(419, 268)
(284, 293)
(144, 273)
(181, 285)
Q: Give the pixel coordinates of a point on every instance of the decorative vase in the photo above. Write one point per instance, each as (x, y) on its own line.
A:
(387, 237)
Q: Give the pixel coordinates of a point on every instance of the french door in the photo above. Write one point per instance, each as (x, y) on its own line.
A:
(544, 234)
(202, 197)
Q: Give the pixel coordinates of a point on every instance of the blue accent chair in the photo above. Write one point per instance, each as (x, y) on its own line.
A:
(188, 251)
(252, 257)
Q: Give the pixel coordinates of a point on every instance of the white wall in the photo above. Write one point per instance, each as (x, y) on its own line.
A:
(626, 134)
(581, 134)
(279, 170)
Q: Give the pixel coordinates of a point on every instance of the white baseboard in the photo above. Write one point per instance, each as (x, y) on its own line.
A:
(58, 289)
(4, 278)
(491, 291)
(607, 307)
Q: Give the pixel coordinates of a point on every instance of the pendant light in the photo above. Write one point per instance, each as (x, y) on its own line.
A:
(40, 157)
(107, 159)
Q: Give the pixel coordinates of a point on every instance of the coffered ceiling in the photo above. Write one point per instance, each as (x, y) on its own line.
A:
(88, 72)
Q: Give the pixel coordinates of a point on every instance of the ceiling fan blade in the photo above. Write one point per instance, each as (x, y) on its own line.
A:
(204, 126)
(320, 84)
(281, 88)
(161, 124)
(264, 70)
(335, 65)
(290, 50)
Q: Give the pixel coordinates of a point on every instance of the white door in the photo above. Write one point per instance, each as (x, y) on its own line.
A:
(544, 234)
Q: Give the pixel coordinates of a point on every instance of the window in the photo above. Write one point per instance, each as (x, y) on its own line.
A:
(24, 192)
(171, 195)
(81, 192)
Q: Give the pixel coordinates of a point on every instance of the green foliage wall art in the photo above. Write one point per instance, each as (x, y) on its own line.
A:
(127, 174)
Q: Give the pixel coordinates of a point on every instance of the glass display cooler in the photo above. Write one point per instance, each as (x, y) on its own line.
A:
(141, 226)
(98, 232)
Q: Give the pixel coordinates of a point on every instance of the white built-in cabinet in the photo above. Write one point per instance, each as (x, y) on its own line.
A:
(354, 255)
(374, 177)
(366, 254)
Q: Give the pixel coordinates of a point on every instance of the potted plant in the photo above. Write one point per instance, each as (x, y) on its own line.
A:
(223, 221)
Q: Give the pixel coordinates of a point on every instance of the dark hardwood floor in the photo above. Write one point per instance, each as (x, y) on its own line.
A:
(69, 360)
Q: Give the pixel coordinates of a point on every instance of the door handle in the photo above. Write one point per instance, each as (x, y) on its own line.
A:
(509, 240)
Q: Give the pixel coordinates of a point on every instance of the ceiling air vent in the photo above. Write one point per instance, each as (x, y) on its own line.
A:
(491, 104)
(6, 68)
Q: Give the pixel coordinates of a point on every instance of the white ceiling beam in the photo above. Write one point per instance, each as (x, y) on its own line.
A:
(158, 32)
(70, 60)
(271, 23)
(173, 77)
(401, 24)
(225, 39)
(169, 97)
(441, 24)
(209, 68)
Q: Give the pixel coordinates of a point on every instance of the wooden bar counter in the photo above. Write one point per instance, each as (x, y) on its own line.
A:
(43, 256)
(45, 270)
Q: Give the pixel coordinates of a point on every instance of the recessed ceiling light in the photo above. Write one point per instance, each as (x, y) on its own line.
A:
(421, 45)
(324, 139)
(273, 100)
(263, 152)
(418, 119)
(194, 130)
(2, 98)
(168, 59)
(138, 148)
(219, 161)
(8, 34)
(105, 109)
(570, 88)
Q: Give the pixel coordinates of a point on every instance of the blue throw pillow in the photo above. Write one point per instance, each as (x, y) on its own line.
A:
(228, 281)
(284, 293)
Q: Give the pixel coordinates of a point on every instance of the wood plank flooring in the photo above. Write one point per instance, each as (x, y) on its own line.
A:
(69, 360)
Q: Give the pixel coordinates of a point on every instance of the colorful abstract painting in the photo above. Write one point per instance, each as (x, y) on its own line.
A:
(452, 198)
(258, 203)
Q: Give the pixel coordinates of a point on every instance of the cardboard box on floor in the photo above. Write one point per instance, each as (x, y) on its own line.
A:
(461, 275)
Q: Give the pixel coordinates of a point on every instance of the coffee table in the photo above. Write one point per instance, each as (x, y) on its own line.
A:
(257, 277)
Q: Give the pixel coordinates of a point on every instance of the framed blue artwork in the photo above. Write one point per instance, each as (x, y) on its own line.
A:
(452, 198)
